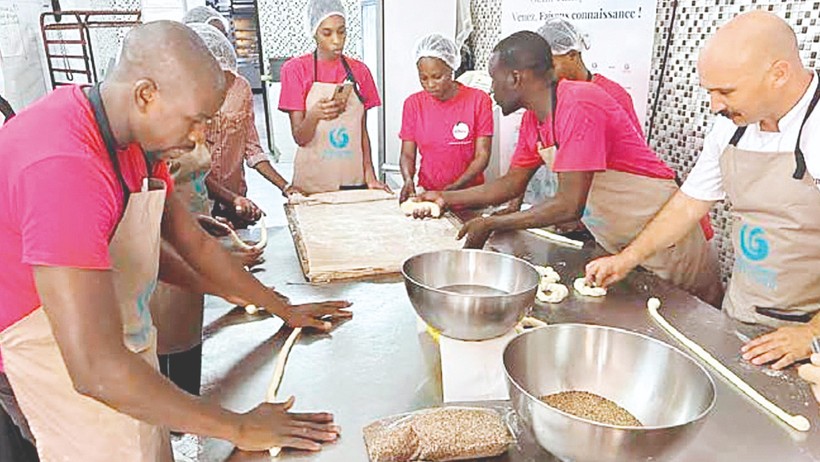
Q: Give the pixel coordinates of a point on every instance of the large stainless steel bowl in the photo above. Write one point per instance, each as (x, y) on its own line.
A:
(668, 392)
(470, 294)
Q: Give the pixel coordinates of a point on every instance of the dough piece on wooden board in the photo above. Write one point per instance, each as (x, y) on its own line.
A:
(586, 290)
(409, 206)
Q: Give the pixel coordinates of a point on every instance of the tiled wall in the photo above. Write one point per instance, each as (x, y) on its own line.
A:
(284, 30)
(683, 117)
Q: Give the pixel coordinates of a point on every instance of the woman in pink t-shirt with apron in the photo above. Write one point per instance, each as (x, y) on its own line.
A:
(450, 125)
(327, 96)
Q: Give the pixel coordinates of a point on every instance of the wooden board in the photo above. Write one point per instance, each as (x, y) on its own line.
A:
(355, 240)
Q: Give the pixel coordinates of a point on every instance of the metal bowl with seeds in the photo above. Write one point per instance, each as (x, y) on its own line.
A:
(654, 396)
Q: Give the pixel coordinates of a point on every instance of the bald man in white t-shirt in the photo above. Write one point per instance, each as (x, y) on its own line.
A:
(762, 155)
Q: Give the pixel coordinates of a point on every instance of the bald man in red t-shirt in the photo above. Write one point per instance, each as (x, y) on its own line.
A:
(85, 198)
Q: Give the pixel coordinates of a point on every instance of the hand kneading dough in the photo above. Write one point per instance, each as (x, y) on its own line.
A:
(409, 206)
(582, 288)
(552, 293)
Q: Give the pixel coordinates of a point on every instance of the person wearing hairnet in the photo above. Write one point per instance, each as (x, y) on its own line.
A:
(231, 136)
(207, 15)
(449, 124)
(568, 43)
(762, 156)
(177, 312)
(607, 175)
(327, 96)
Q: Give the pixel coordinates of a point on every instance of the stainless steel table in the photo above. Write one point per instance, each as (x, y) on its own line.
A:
(378, 364)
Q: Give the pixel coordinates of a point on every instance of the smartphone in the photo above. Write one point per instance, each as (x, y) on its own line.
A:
(342, 92)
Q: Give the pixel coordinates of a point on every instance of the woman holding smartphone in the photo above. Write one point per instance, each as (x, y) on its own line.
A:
(327, 96)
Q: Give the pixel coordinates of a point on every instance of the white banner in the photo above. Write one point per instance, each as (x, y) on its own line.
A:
(621, 36)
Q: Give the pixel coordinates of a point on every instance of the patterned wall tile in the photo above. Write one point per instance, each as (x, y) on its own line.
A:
(283, 28)
(683, 117)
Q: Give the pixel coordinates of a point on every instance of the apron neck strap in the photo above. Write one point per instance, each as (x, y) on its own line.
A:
(95, 98)
(799, 158)
(348, 74)
(553, 107)
(737, 136)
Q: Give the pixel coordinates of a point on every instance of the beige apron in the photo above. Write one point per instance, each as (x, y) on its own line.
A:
(334, 157)
(775, 233)
(178, 313)
(619, 205)
(67, 425)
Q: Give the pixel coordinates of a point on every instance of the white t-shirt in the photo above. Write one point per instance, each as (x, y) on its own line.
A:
(705, 181)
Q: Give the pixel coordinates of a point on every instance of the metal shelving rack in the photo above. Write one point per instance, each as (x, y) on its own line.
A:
(68, 46)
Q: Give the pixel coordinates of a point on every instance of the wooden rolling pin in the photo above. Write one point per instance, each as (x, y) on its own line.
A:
(798, 422)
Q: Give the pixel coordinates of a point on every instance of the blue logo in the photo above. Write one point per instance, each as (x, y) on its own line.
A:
(339, 138)
(137, 335)
(589, 220)
(753, 243)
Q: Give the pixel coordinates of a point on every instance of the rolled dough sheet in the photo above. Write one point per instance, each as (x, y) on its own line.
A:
(354, 239)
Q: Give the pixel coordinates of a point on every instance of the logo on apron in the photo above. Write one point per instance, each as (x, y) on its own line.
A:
(137, 339)
(461, 131)
(753, 244)
(589, 220)
(339, 138)
(754, 248)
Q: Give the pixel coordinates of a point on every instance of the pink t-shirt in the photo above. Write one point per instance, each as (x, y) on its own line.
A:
(297, 78)
(619, 94)
(446, 133)
(594, 134)
(60, 200)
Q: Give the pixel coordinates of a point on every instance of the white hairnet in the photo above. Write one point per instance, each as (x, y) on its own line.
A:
(218, 44)
(319, 10)
(439, 46)
(563, 36)
(204, 14)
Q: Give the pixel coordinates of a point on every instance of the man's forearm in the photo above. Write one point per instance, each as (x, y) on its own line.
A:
(207, 256)
(102, 368)
(266, 170)
(496, 192)
(218, 192)
(125, 381)
(551, 212)
(174, 270)
(475, 168)
(675, 220)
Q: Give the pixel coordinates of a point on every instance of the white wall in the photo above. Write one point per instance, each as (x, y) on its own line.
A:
(153, 10)
(21, 62)
(405, 22)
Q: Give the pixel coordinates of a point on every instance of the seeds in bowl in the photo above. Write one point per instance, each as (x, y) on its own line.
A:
(590, 406)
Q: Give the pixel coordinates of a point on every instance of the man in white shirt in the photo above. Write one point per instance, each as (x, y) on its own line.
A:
(763, 156)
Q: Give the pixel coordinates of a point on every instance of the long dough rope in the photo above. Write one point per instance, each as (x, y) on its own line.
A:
(237, 241)
(279, 373)
(557, 238)
(798, 422)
